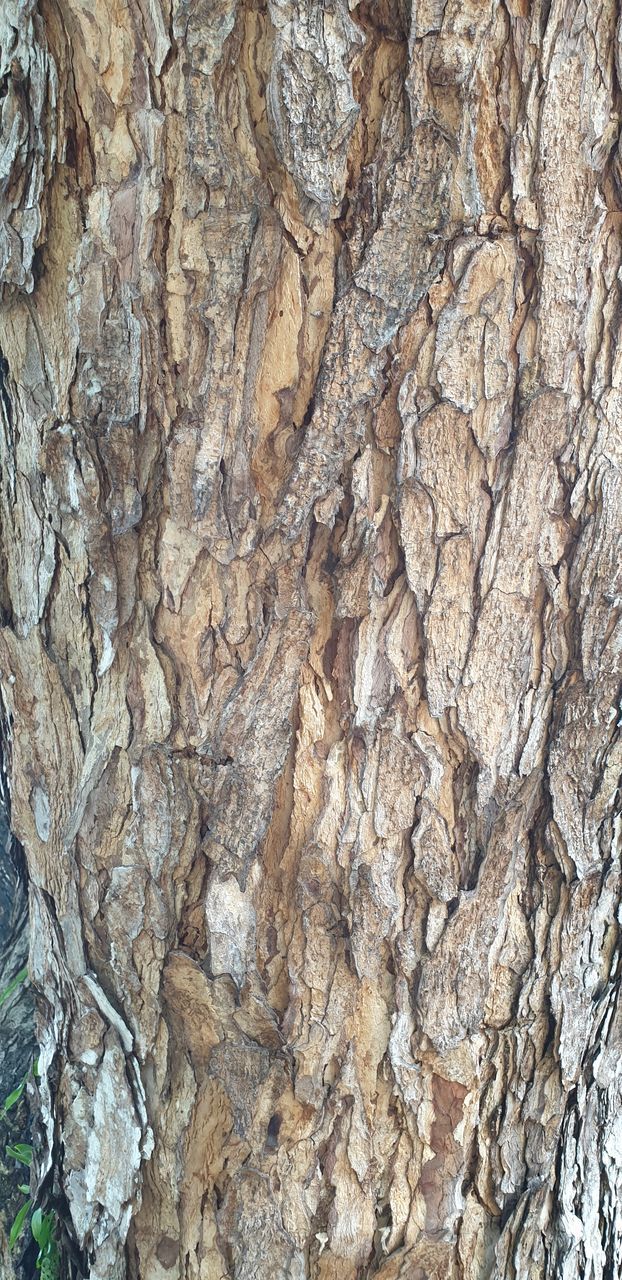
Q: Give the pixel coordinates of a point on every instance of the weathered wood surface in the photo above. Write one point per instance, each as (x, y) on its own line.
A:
(310, 499)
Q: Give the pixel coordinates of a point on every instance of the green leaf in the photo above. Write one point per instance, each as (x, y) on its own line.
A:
(21, 1151)
(25, 1190)
(42, 1227)
(36, 1225)
(8, 990)
(18, 1224)
(15, 1095)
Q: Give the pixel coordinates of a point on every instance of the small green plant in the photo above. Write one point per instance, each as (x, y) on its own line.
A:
(21, 1151)
(43, 1226)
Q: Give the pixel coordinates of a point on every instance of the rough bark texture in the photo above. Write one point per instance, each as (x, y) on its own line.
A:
(311, 398)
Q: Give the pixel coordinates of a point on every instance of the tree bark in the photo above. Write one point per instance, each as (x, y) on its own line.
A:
(310, 500)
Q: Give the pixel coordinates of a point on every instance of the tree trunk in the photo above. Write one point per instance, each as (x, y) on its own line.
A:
(310, 422)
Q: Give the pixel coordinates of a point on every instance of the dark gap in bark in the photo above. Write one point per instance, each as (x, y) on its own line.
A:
(17, 1032)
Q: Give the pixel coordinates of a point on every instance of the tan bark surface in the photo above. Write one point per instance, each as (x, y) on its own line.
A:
(310, 498)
